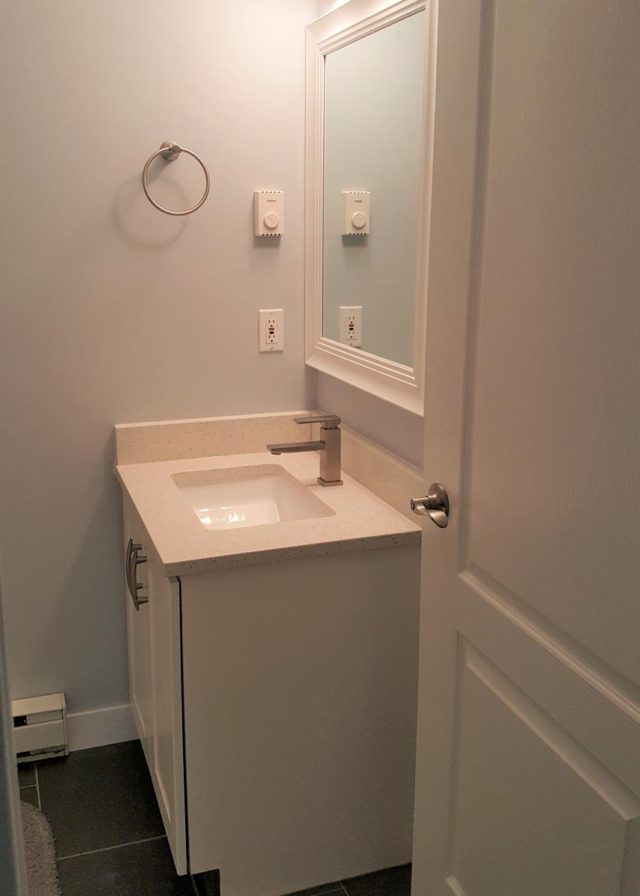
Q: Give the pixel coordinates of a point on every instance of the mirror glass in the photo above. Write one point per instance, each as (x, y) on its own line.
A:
(373, 110)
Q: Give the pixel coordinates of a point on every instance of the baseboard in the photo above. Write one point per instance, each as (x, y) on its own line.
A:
(98, 727)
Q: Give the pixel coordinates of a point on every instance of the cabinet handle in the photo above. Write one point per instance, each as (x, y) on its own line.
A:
(127, 564)
(132, 560)
(131, 547)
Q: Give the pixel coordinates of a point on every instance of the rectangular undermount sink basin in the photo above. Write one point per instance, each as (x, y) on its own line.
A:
(238, 497)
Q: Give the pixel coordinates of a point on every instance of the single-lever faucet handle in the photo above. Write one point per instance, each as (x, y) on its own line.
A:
(329, 421)
(329, 446)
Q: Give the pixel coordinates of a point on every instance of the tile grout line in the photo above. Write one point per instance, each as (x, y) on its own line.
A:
(91, 852)
(333, 889)
(35, 769)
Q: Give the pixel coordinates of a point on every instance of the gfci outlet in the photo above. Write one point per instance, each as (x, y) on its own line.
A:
(271, 336)
(350, 324)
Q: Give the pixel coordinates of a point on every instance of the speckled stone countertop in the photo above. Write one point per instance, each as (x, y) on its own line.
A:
(356, 520)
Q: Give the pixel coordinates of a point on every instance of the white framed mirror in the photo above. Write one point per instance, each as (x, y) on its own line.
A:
(369, 137)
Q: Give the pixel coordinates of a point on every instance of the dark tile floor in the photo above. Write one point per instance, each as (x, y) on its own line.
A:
(392, 882)
(109, 835)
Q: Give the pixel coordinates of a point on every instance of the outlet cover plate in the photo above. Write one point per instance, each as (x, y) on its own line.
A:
(350, 324)
(270, 334)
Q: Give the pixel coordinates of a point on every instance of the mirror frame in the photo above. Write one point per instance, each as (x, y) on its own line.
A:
(389, 380)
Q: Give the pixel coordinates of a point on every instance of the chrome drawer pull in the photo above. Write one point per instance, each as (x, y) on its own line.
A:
(132, 560)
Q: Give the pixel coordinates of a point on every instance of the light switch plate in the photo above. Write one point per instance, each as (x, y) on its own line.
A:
(356, 207)
(271, 336)
(268, 212)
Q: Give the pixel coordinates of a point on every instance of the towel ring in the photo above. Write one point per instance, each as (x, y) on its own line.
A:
(170, 152)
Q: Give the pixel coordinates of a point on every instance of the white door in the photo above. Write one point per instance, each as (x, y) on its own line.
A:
(528, 779)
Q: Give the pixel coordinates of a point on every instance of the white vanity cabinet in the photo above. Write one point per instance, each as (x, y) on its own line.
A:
(155, 680)
(300, 683)
(273, 673)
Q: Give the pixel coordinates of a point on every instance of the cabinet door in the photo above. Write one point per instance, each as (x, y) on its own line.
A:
(155, 682)
(139, 644)
(300, 714)
(167, 764)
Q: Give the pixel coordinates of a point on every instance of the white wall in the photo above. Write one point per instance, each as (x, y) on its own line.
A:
(111, 311)
(373, 141)
(395, 429)
(325, 6)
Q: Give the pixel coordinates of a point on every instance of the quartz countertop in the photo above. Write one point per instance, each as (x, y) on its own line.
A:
(360, 520)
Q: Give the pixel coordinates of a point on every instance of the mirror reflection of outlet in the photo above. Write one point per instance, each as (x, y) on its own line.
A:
(271, 337)
(350, 323)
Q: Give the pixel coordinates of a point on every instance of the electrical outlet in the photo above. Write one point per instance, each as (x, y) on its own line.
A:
(271, 336)
(350, 323)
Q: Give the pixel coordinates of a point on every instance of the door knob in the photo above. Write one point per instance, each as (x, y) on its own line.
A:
(435, 505)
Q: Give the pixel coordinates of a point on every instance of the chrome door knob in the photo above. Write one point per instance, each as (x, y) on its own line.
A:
(434, 505)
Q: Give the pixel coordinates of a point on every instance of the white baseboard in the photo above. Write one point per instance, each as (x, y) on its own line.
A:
(98, 727)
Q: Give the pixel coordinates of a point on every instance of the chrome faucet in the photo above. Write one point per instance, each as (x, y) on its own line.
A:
(329, 447)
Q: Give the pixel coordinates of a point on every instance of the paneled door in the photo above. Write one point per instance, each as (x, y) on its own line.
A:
(528, 778)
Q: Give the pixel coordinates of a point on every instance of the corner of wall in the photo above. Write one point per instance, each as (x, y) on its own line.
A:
(393, 428)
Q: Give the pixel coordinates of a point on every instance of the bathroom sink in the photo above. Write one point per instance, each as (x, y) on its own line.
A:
(238, 497)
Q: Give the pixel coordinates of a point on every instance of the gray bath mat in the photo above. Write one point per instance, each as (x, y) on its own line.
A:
(40, 853)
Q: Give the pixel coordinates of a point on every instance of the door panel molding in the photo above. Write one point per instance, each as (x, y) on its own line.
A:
(455, 888)
(600, 809)
(557, 738)
(572, 695)
(614, 687)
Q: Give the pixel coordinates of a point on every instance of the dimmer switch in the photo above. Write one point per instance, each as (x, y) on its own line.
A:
(268, 212)
(356, 205)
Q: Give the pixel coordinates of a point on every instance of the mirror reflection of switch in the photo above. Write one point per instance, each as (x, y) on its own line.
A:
(271, 220)
(358, 219)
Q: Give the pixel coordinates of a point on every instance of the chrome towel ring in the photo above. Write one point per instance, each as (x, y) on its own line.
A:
(170, 152)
